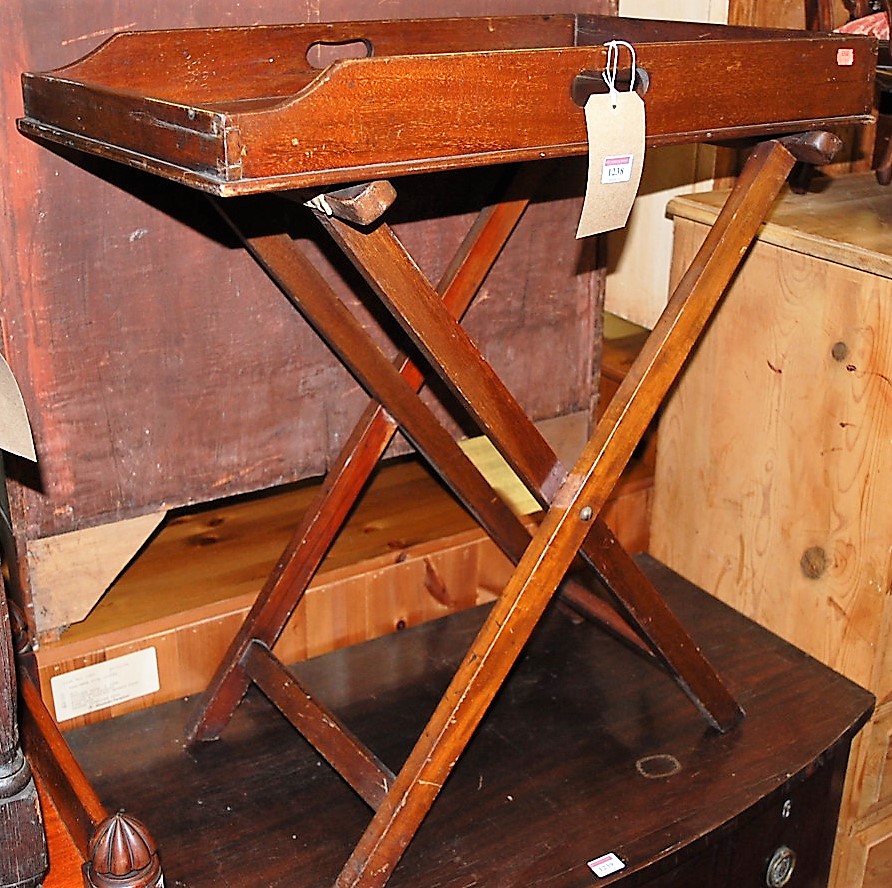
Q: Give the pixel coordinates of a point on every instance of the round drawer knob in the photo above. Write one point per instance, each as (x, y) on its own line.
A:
(780, 867)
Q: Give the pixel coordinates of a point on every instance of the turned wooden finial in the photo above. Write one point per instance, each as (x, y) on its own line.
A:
(122, 854)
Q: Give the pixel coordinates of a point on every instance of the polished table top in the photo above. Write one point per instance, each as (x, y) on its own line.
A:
(589, 749)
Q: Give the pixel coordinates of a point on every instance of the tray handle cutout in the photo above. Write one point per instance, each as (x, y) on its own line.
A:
(322, 53)
(588, 83)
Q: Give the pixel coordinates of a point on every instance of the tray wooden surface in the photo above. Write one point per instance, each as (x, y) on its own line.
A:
(249, 109)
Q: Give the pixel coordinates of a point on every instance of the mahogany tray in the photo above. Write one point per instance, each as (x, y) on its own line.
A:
(239, 110)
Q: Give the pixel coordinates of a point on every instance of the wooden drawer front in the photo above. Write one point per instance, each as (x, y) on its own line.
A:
(697, 870)
(876, 783)
(801, 819)
(878, 871)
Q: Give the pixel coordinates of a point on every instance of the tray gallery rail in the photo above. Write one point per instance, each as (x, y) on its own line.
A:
(240, 110)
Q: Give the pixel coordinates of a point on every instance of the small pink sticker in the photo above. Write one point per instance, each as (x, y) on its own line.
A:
(845, 57)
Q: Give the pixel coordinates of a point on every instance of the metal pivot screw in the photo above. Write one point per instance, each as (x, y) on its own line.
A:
(585, 513)
(780, 867)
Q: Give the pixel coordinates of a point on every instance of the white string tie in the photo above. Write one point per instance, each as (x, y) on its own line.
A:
(609, 72)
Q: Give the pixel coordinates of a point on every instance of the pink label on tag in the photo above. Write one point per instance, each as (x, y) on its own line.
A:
(616, 169)
(845, 57)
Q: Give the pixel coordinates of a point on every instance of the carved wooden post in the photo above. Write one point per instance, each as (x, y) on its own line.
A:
(23, 853)
(122, 854)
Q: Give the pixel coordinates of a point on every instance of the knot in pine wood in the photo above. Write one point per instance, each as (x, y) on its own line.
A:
(814, 562)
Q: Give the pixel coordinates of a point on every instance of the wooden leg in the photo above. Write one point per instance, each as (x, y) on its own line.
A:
(567, 523)
(324, 518)
(390, 271)
(303, 284)
(301, 281)
(368, 776)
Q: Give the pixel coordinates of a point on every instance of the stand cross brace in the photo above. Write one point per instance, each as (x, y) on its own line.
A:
(569, 531)
(567, 523)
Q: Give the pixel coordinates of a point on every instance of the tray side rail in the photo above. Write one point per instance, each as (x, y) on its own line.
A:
(382, 116)
(200, 65)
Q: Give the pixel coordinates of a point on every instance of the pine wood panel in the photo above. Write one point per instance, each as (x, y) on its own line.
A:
(773, 465)
(768, 13)
(878, 871)
(876, 786)
(867, 861)
(788, 464)
(409, 554)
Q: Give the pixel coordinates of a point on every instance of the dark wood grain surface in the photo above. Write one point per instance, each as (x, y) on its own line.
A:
(554, 777)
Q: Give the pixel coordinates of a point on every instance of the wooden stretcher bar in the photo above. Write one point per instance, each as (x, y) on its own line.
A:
(241, 110)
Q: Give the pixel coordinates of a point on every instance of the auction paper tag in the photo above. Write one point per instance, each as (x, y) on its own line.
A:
(615, 125)
(606, 865)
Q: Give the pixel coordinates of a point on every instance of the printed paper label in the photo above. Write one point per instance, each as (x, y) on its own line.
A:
(606, 865)
(105, 684)
(617, 168)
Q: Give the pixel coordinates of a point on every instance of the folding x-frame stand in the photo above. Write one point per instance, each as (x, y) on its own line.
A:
(570, 533)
